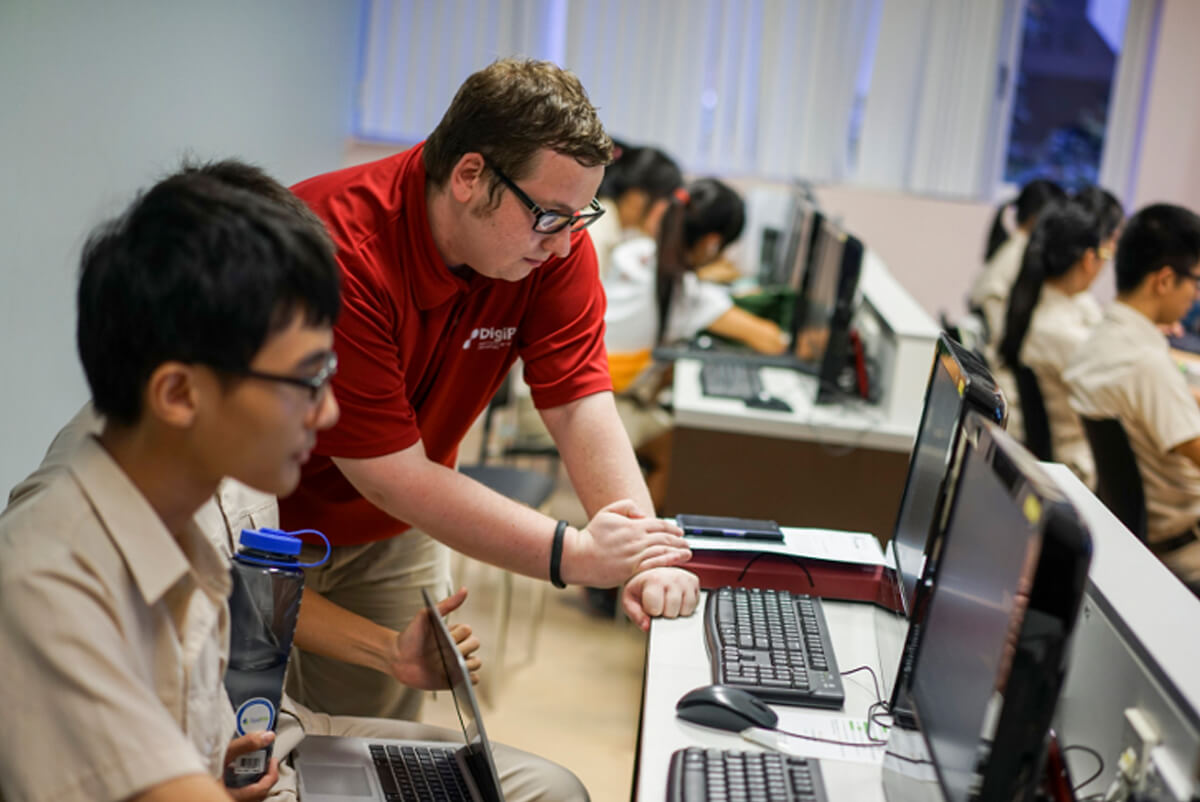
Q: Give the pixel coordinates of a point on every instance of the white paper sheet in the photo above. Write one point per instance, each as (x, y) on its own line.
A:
(833, 545)
(843, 729)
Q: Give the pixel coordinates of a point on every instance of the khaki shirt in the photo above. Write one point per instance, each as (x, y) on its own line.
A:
(1125, 370)
(991, 289)
(1060, 324)
(115, 636)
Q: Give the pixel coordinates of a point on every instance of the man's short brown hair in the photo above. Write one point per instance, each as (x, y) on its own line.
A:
(510, 110)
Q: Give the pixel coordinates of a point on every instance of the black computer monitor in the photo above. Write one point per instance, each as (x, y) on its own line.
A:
(835, 358)
(818, 294)
(958, 381)
(1007, 587)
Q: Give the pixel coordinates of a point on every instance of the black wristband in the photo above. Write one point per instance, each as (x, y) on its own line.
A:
(556, 555)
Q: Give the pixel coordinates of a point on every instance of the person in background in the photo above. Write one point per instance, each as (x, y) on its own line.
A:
(457, 257)
(636, 189)
(654, 298)
(1003, 254)
(1125, 370)
(1051, 313)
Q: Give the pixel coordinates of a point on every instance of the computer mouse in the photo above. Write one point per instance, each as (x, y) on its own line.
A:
(725, 708)
(766, 401)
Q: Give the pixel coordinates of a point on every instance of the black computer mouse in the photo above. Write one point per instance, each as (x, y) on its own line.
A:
(725, 708)
(765, 401)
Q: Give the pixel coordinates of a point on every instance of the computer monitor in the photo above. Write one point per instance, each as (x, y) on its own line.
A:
(818, 295)
(835, 358)
(1007, 588)
(958, 381)
(784, 251)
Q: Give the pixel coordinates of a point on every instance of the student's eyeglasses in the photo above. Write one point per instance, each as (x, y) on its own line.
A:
(317, 384)
(548, 222)
(1195, 277)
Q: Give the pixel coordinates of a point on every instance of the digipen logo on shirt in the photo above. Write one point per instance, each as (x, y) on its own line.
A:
(490, 338)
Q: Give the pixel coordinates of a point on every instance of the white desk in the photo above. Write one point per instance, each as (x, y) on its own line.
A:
(676, 662)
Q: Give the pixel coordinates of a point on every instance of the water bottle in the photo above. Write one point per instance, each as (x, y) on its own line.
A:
(263, 606)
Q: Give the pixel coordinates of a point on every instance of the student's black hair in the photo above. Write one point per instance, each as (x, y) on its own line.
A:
(1104, 207)
(705, 207)
(1158, 236)
(644, 168)
(196, 271)
(1034, 197)
(1064, 232)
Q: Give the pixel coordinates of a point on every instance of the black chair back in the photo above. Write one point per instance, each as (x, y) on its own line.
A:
(1033, 410)
(1118, 480)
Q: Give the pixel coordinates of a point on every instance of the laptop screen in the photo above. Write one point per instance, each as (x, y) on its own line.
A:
(479, 753)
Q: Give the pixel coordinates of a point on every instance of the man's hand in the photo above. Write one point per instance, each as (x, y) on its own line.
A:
(619, 542)
(244, 745)
(666, 592)
(415, 660)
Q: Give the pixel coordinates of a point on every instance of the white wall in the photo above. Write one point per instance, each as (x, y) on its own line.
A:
(98, 99)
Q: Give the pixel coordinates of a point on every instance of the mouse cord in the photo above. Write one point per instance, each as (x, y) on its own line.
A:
(762, 554)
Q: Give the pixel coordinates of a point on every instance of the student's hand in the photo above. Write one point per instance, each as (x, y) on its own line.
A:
(1172, 329)
(666, 592)
(244, 745)
(415, 660)
(619, 542)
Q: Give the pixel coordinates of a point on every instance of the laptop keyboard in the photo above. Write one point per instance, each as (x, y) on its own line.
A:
(774, 644)
(699, 775)
(730, 379)
(409, 773)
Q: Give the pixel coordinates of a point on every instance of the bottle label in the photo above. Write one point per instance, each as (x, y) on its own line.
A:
(255, 715)
(254, 764)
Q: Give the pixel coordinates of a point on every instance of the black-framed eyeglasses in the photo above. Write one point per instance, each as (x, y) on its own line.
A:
(548, 222)
(1185, 274)
(317, 384)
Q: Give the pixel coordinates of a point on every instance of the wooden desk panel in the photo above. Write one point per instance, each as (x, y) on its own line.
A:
(795, 482)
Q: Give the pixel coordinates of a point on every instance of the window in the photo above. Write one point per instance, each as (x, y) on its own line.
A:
(1064, 82)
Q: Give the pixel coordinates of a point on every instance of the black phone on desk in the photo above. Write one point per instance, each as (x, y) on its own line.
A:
(718, 526)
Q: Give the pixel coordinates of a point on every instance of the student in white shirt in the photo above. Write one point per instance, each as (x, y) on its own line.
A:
(1051, 313)
(1005, 250)
(654, 297)
(635, 192)
(1125, 371)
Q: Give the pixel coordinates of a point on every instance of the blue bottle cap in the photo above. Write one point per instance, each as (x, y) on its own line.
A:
(274, 541)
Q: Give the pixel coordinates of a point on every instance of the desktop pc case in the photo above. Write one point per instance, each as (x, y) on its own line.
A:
(1006, 591)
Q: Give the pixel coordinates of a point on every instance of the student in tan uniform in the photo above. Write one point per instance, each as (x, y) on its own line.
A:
(1125, 371)
(1051, 313)
(112, 596)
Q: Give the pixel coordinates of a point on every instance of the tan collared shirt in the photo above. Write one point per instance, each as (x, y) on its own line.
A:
(1060, 324)
(115, 637)
(991, 288)
(1125, 370)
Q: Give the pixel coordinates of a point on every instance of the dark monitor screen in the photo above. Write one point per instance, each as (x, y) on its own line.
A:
(957, 379)
(818, 297)
(1007, 587)
(835, 359)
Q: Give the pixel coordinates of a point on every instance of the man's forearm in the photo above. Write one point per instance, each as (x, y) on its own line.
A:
(458, 511)
(330, 630)
(597, 452)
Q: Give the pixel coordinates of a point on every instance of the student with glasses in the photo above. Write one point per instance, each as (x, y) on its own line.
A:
(457, 257)
(1125, 370)
(1051, 311)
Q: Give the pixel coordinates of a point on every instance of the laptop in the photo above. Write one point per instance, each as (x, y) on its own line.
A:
(345, 769)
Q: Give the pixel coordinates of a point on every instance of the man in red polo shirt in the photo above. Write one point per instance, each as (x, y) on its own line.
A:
(457, 257)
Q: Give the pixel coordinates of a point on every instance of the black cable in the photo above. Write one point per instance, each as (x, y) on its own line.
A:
(874, 681)
(1093, 753)
(873, 743)
(762, 554)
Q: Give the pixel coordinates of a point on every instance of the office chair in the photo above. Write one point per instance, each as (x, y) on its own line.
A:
(525, 485)
(1033, 411)
(1118, 480)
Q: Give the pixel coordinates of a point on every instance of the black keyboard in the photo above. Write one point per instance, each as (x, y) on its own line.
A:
(774, 644)
(730, 380)
(701, 775)
(418, 772)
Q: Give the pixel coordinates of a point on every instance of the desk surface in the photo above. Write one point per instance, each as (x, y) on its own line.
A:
(851, 423)
(676, 662)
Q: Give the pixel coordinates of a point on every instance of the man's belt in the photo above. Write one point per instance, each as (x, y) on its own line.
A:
(1185, 538)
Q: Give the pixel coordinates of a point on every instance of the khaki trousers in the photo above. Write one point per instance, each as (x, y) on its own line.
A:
(381, 581)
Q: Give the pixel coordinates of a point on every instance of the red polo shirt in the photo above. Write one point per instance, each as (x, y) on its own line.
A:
(422, 350)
